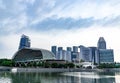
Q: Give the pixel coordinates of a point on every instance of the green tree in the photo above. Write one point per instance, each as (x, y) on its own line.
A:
(6, 62)
(54, 65)
(46, 65)
(70, 65)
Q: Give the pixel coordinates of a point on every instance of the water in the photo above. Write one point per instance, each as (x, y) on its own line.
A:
(68, 77)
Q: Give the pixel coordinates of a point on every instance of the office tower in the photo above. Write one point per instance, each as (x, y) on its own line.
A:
(106, 56)
(60, 48)
(64, 55)
(75, 48)
(68, 54)
(93, 54)
(101, 43)
(85, 53)
(54, 50)
(60, 53)
(24, 42)
(69, 49)
(75, 54)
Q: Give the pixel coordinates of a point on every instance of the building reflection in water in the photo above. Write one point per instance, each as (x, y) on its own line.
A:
(101, 77)
(70, 77)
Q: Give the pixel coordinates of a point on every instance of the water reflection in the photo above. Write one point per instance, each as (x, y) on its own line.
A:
(70, 77)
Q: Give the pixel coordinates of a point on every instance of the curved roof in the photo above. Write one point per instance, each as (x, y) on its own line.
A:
(32, 54)
(101, 39)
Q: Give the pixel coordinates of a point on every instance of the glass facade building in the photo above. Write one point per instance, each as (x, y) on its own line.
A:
(106, 56)
(93, 54)
(54, 50)
(24, 42)
(101, 43)
(75, 48)
(32, 54)
(85, 53)
(60, 53)
(68, 54)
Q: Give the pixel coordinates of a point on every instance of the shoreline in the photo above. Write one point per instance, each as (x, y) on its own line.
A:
(18, 69)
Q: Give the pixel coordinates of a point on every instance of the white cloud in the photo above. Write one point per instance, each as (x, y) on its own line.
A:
(88, 8)
(77, 9)
(13, 25)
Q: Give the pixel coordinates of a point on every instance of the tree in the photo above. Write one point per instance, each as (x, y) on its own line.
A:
(70, 65)
(6, 62)
(54, 65)
(46, 65)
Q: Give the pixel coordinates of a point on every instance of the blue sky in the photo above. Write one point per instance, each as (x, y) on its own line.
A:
(59, 22)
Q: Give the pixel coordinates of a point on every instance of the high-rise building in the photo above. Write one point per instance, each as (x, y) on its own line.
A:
(60, 48)
(106, 56)
(75, 48)
(54, 50)
(75, 54)
(68, 54)
(24, 42)
(60, 53)
(69, 49)
(101, 43)
(64, 55)
(93, 54)
(85, 53)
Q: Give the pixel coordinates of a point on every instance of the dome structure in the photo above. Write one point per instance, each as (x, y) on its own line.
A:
(32, 54)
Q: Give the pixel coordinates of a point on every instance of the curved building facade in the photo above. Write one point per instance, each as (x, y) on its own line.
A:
(31, 54)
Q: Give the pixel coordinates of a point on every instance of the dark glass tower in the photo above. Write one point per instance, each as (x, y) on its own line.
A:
(24, 42)
(101, 43)
(54, 50)
(75, 48)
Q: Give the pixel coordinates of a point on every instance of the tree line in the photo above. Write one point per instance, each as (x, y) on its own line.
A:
(11, 63)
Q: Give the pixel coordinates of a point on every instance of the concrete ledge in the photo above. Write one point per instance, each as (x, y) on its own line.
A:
(66, 70)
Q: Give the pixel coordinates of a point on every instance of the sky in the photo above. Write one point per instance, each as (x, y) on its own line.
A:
(63, 23)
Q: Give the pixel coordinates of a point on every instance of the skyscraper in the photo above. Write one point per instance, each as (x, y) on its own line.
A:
(24, 42)
(54, 50)
(101, 43)
(60, 53)
(106, 56)
(68, 54)
(93, 54)
(75, 54)
(69, 49)
(75, 48)
(85, 53)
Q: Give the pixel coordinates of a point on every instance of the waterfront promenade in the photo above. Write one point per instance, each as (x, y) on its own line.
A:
(66, 70)
(18, 69)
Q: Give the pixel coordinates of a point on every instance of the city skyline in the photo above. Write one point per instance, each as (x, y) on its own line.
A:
(59, 22)
(95, 54)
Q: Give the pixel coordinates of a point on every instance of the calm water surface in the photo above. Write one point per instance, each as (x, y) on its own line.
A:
(68, 77)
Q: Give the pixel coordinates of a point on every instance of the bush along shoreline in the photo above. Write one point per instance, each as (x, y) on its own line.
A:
(43, 64)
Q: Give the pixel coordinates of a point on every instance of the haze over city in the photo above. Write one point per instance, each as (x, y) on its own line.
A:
(59, 22)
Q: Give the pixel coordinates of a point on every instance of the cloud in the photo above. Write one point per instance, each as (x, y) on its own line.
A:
(57, 14)
(13, 24)
(63, 23)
